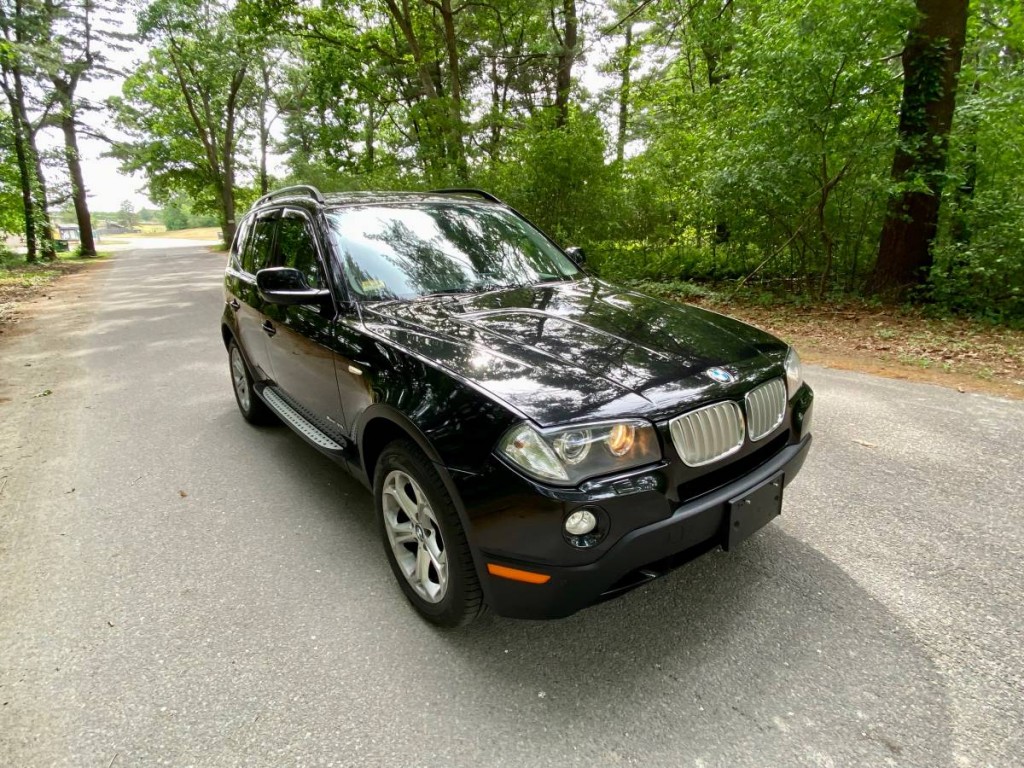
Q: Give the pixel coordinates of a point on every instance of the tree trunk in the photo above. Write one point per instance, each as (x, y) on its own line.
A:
(566, 58)
(227, 198)
(714, 48)
(625, 71)
(430, 136)
(931, 63)
(264, 126)
(38, 234)
(456, 130)
(24, 176)
(369, 138)
(41, 212)
(87, 244)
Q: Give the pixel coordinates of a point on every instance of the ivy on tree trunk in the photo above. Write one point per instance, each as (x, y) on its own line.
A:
(931, 64)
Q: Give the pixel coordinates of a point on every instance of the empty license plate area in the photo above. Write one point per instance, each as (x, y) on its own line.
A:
(754, 510)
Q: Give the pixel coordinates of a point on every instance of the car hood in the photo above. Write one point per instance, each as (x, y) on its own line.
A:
(580, 351)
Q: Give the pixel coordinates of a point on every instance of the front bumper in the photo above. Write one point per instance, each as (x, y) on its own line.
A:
(643, 554)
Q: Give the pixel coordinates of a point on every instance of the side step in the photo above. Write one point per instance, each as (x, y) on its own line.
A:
(298, 422)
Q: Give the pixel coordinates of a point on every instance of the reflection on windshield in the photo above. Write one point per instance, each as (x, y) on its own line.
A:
(401, 253)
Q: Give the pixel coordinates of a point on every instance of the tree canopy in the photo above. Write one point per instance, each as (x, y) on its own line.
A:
(817, 146)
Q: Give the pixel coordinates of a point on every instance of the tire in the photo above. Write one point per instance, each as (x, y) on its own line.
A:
(253, 409)
(423, 537)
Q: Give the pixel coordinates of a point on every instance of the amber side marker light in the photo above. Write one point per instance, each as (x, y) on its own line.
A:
(517, 575)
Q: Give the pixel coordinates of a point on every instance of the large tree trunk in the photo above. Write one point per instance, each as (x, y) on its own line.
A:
(24, 176)
(38, 234)
(566, 58)
(41, 212)
(931, 63)
(78, 194)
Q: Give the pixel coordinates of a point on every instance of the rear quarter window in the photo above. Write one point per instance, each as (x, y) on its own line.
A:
(238, 244)
(258, 246)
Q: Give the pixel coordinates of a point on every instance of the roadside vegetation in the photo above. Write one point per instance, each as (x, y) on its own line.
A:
(21, 280)
(798, 156)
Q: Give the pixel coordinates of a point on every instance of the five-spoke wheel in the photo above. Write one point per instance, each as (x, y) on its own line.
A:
(424, 538)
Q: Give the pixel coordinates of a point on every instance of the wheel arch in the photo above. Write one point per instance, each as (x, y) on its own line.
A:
(382, 424)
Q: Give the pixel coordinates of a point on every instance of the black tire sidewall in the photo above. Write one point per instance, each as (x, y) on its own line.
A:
(233, 349)
(258, 413)
(457, 606)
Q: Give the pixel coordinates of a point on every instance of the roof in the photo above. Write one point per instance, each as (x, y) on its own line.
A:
(311, 195)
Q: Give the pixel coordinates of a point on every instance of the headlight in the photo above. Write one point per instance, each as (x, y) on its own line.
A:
(569, 455)
(794, 377)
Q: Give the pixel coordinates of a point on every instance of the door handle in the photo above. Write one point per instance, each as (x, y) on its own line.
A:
(234, 304)
(269, 328)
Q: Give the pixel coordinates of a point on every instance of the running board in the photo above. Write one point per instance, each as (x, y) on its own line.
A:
(298, 422)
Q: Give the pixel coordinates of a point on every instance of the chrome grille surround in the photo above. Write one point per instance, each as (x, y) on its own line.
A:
(708, 434)
(766, 407)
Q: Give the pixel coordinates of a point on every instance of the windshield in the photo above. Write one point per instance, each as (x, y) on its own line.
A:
(401, 253)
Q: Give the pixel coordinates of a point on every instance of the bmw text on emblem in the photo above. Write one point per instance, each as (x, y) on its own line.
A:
(720, 375)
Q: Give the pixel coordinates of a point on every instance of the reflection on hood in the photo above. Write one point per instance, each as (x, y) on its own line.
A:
(581, 350)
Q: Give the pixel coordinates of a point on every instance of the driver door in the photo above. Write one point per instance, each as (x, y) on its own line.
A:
(301, 337)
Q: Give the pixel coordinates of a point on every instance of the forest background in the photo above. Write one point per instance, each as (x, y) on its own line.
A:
(808, 149)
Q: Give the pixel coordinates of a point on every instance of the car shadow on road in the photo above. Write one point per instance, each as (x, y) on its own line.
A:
(771, 650)
(771, 643)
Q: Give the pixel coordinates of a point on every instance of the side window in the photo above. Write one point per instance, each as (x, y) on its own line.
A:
(257, 247)
(238, 245)
(297, 249)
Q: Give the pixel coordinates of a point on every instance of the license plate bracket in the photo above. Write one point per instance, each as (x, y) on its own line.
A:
(753, 510)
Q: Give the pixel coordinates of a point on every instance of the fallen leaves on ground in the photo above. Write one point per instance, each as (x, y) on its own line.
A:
(966, 354)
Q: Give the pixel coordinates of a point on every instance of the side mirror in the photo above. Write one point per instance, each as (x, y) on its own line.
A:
(284, 285)
(576, 255)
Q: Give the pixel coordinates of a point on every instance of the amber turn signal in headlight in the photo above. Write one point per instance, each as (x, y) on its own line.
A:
(569, 455)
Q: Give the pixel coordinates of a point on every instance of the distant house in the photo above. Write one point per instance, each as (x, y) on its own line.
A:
(69, 232)
(114, 228)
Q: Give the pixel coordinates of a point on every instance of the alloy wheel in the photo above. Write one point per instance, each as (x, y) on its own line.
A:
(415, 536)
(240, 379)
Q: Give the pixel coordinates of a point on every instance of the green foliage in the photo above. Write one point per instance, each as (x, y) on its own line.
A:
(787, 154)
(11, 208)
(558, 177)
(756, 145)
(178, 214)
(979, 267)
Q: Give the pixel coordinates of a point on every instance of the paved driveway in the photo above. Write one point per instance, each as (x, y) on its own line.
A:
(179, 588)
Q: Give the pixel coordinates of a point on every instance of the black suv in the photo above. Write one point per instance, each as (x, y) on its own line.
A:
(536, 439)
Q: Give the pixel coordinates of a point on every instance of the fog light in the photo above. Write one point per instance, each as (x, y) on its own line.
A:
(580, 522)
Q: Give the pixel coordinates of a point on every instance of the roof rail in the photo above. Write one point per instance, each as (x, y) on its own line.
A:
(468, 191)
(306, 189)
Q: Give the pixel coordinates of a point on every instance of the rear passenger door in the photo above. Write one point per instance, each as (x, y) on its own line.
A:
(256, 249)
(301, 348)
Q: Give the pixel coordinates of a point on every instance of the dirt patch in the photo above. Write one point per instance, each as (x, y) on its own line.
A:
(903, 344)
(21, 284)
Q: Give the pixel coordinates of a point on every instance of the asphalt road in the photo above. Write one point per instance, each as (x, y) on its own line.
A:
(179, 588)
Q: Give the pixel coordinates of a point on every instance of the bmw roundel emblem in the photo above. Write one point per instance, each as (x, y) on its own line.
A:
(720, 375)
